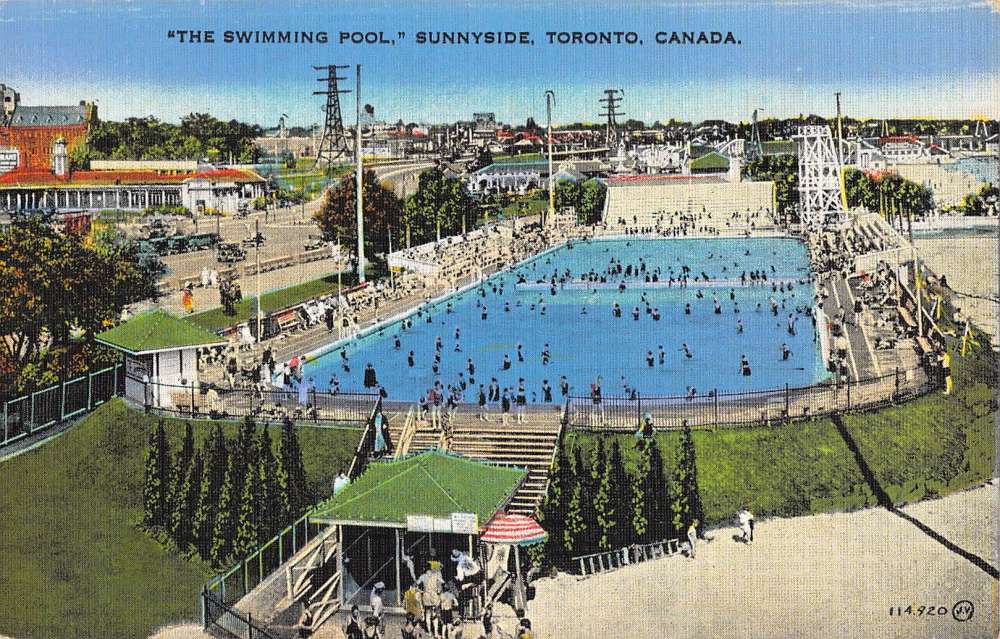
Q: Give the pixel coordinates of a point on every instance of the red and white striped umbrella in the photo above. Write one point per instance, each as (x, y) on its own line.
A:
(513, 530)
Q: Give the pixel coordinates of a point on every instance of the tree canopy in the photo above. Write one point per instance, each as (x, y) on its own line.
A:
(337, 218)
(51, 283)
(198, 136)
(437, 208)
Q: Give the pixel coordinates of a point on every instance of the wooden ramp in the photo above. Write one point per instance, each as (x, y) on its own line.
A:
(530, 445)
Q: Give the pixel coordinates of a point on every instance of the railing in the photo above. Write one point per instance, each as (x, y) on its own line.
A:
(44, 408)
(236, 581)
(614, 559)
(755, 407)
(267, 405)
(225, 618)
(367, 444)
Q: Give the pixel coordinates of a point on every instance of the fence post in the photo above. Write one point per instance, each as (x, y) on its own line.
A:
(204, 618)
(31, 422)
(715, 398)
(62, 403)
(896, 393)
(192, 399)
(638, 411)
(849, 384)
(246, 578)
(90, 391)
(787, 415)
(249, 625)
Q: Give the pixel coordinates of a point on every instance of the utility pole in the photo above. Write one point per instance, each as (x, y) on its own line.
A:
(357, 160)
(550, 98)
(256, 251)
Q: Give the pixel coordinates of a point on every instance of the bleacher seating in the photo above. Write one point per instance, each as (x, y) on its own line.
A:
(711, 204)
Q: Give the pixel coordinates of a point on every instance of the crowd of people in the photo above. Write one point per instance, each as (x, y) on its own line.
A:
(665, 223)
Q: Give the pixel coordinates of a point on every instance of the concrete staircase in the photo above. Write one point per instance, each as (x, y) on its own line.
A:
(530, 445)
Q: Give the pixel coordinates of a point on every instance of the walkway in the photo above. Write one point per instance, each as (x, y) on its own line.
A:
(817, 576)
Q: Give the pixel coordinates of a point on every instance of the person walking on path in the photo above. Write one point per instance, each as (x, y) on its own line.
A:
(692, 534)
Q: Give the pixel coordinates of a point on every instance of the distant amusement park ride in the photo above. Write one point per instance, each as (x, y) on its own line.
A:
(820, 174)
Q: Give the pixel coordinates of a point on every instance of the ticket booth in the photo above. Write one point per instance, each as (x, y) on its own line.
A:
(161, 356)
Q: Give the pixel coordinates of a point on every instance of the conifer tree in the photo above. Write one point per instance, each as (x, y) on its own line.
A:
(640, 510)
(657, 493)
(184, 456)
(248, 526)
(274, 517)
(575, 527)
(156, 492)
(291, 471)
(621, 498)
(604, 508)
(688, 502)
(215, 461)
(224, 531)
(186, 507)
(552, 515)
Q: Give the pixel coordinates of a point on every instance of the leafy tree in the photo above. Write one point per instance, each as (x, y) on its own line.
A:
(337, 217)
(50, 283)
(437, 207)
(592, 197)
(568, 193)
(187, 502)
(156, 484)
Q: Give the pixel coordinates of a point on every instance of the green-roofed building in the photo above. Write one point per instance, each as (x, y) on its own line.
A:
(424, 507)
(712, 162)
(160, 355)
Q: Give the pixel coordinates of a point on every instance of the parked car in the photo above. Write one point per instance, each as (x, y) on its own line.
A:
(230, 252)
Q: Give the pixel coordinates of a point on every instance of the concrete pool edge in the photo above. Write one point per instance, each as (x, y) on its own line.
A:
(313, 357)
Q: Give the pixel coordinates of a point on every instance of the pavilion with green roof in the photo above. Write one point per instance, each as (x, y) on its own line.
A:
(422, 508)
(160, 355)
(711, 162)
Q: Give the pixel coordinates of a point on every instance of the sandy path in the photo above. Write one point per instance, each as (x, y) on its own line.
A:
(818, 576)
(970, 263)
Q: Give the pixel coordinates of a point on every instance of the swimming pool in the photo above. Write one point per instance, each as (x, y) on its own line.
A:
(586, 340)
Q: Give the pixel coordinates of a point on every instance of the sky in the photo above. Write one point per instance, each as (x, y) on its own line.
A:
(903, 58)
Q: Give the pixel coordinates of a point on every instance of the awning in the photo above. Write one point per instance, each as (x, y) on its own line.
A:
(513, 530)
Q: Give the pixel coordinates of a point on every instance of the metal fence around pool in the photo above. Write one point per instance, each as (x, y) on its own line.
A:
(756, 407)
(44, 408)
(222, 617)
(209, 402)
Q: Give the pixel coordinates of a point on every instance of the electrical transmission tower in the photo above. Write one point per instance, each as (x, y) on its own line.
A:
(820, 198)
(611, 103)
(754, 150)
(333, 144)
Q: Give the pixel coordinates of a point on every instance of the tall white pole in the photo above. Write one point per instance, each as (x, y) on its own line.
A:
(357, 156)
(256, 251)
(550, 97)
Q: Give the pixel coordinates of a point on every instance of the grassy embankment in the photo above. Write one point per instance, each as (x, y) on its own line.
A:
(73, 562)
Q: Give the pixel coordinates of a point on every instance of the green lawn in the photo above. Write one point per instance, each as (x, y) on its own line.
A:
(73, 563)
(536, 204)
(215, 319)
(927, 447)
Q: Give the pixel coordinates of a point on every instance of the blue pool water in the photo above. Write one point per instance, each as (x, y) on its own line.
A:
(585, 346)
